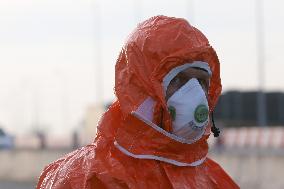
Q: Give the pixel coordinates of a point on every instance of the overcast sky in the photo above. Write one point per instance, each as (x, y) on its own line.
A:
(49, 51)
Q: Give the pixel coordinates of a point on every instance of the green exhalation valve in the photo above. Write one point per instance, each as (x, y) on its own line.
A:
(201, 113)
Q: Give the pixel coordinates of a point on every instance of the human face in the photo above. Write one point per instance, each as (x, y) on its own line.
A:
(181, 78)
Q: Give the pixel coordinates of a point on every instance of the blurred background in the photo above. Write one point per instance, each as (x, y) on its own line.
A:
(57, 61)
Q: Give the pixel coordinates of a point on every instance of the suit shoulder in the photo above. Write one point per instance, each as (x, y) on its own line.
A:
(66, 171)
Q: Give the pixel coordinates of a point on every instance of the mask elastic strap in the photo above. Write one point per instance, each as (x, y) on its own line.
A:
(214, 129)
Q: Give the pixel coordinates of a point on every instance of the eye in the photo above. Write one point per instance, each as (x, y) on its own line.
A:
(203, 83)
(175, 81)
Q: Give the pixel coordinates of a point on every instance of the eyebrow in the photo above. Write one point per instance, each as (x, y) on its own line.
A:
(198, 68)
(204, 73)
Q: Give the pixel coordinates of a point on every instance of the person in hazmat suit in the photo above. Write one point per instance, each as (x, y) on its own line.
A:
(154, 136)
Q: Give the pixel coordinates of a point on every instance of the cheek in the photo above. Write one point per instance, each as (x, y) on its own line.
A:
(170, 91)
(205, 89)
(206, 94)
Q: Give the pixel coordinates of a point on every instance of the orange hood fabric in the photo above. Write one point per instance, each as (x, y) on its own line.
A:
(134, 147)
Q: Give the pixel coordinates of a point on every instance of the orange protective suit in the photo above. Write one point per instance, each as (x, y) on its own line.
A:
(130, 149)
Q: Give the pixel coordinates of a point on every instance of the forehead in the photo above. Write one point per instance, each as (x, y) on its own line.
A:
(194, 72)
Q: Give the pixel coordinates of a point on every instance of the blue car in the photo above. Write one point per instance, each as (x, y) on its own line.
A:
(6, 141)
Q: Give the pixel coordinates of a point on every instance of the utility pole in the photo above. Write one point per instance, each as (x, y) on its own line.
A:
(98, 60)
(190, 14)
(137, 4)
(36, 107)
(260, 39)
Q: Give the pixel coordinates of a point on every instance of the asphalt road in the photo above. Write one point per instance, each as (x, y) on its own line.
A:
(16, 185)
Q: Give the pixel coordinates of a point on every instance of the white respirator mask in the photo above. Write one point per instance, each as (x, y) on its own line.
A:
(188, 106)
(189, 109)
